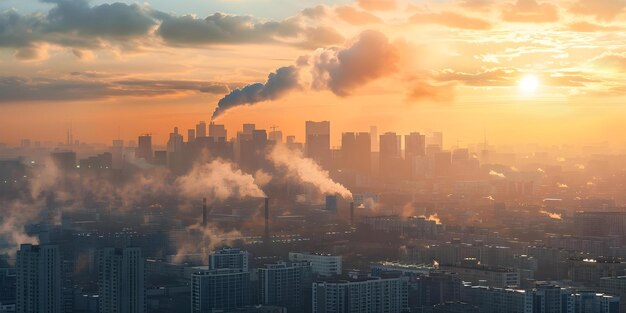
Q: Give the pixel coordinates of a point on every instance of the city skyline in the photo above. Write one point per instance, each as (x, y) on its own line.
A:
(552, 69)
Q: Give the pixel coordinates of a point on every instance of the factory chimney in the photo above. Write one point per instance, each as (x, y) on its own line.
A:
(352, 213)
(204, 213)
(266, 238)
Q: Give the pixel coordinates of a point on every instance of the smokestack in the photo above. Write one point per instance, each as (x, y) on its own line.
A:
(352, 213)
(267, 221)
(204, 213)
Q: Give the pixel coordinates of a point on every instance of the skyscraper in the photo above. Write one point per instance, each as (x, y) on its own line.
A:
(38, 271)
(217, 131)
(317, 145)
(121, 280)
(144, 150)
(191, 135)
(374, 138)
(117, 152)
(175, 151)
(390, 156)
(356, 152)
(414, 148)
(201, 129)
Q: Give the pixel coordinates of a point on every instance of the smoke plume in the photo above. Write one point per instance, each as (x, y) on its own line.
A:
(278, 84)
(340, 70)
(219, 180)
(306, 170)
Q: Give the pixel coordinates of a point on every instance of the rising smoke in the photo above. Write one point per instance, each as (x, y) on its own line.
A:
(370, 56)
(306, 171)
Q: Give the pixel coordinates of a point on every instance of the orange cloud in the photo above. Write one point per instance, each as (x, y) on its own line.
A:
(452, 19)
(587, 27)
(603, 10)
(381, 5)
(436, 93)
(355, 16)
(530, 11)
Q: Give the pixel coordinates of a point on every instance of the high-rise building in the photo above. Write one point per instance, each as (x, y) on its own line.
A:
(117, 153)
(286, 284)
(121, 280)
(38, 271)
(144, 151)
(374, 138)
(361, 294)
(220, 289)
(201, 129)
(317, 145)
(191, 135)
(231, 258)
(390, 156)
(175, 158)
(217, 131)
(321, 264)
(356, 152)
(414, 150)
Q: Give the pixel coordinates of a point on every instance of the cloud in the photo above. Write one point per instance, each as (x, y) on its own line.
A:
(476, 4)
(486, 77)
(452, 19)
(113, 21)
(77, 25)
(370, 57)
(611, 60)
(530, 11)
(222, 28)
(602, 10)
(21, 89)
(279, 83)
(306, 171)
(355, 16)
(591, 27)
(377, 5)
(436, 93)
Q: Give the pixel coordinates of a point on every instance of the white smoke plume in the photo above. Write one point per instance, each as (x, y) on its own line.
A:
(306, 170)
(218, 180)
(552, 215)
(496, 174)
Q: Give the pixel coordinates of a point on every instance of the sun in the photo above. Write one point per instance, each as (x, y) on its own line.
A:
(529, 84)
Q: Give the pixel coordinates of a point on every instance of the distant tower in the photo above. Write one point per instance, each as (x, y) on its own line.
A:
(352, 213)
(267, 221)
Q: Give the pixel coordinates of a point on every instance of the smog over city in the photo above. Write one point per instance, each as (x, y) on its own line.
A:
(318, 156)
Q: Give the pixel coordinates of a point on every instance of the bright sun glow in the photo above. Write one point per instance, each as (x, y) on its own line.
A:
(528, 84)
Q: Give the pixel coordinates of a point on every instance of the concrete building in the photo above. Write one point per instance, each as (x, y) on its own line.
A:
(121, 280)
(321, 264)
(358, 293)
(286, 285)
(220, 289)
(231, 258)
(38, 271)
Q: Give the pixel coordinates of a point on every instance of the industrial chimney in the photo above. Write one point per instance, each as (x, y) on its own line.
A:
(204, 213)
(266, 238)
(352, 213)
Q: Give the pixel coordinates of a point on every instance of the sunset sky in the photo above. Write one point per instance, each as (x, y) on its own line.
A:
(523, 71)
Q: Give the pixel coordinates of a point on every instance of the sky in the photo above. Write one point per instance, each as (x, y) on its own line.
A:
(522, 71)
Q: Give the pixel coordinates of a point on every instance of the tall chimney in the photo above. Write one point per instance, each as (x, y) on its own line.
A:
(352, 213)
(204, 213)
(267, 221)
